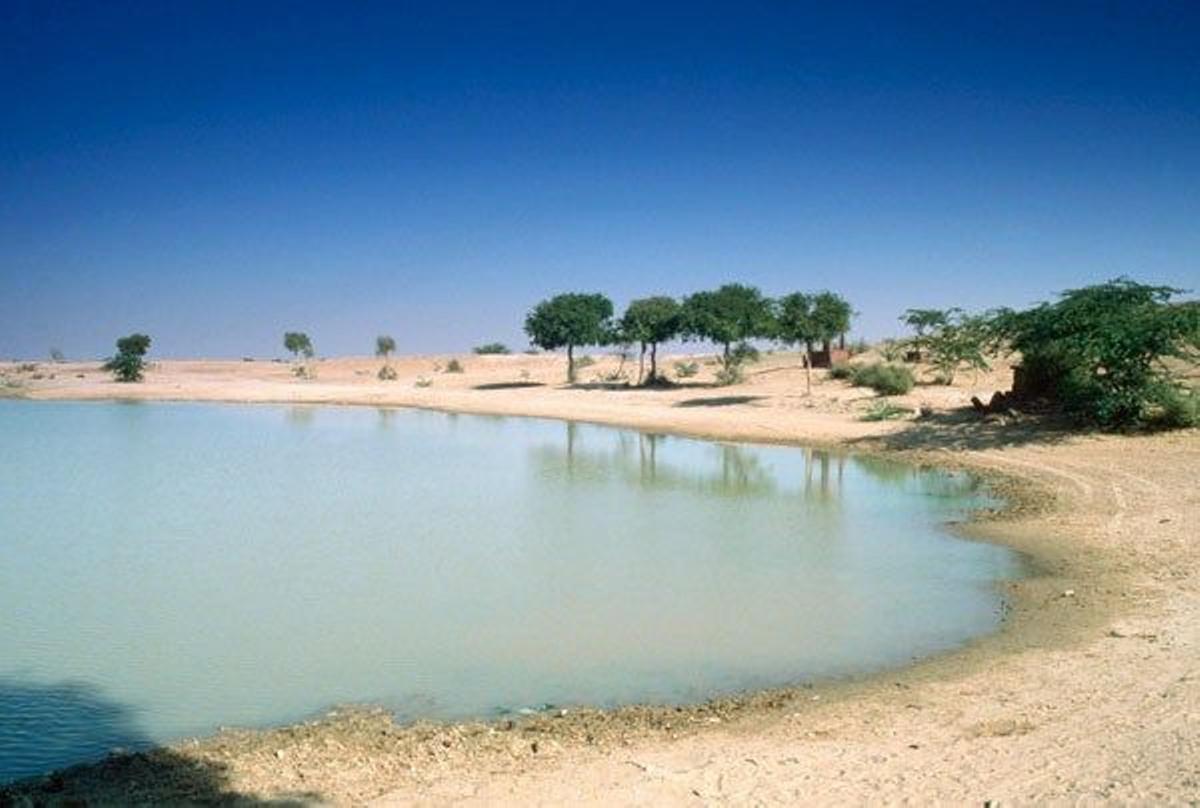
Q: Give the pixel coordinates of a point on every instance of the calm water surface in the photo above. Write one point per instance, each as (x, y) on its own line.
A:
(166, 569)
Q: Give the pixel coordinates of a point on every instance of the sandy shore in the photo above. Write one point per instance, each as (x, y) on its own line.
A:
(1091, 693)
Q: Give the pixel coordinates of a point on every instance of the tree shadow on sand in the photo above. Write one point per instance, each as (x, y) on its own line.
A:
(965, 429)
(48, 726)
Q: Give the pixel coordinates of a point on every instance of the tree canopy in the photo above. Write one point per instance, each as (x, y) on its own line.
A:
(128, 364)
(649, 321)
(831, 314)
(569, 320)
(297, 343)
(385, 346)
(731, 314)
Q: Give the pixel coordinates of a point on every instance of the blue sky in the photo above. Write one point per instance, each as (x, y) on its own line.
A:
(216, 173)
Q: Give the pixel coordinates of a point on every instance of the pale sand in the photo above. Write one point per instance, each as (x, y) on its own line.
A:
(1091, 693)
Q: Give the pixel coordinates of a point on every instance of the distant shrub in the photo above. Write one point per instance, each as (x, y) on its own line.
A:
(27, 367)
(56, 355)
(454, 366)
(303, 372)
(422, 381)
(841, 370)
(492, 348)
(743, 353)
(584, 361)
(686, 370)
(387, 373)
(887, 380)
(892, 350)
(884, 411)
(730, 373)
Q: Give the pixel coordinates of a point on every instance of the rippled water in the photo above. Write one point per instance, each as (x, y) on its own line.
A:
(169, 568)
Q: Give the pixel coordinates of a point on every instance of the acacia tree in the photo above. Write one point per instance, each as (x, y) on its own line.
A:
(831, 313)
(128, 364)
(1100, 350)
(298, 344)
(960, 340)
(924, 322)
(796, 325)
(732, 314)
(384, 346)
(649, 321)
(570, 320)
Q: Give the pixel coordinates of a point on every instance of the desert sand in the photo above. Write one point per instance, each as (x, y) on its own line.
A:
(1090, 693)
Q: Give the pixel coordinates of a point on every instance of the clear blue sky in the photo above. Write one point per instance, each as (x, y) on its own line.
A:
(215, 173)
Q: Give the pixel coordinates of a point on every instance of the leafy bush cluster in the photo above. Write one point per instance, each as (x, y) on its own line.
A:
(491, 348)
(885, 379)
(1100, 352)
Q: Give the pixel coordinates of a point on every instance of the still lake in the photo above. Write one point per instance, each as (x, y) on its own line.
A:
(166, 569)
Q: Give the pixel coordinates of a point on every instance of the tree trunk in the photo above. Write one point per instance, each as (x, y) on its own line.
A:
(654, 361)
(808, 371)
(570, 364)
(842, 341)
(641, 363)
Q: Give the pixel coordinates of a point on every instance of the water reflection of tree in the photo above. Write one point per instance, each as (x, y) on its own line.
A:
(728, 470)
(823, 475)
(301, 415)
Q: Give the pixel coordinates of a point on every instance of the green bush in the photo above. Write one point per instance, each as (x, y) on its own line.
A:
(730, 373)
(887, 380)
(492, 348)
(387, 373)
(743, 353)
(842, 370)
(454, 366)
(1099, 350)
(1177, 409)
(686, 370)
(884, 411)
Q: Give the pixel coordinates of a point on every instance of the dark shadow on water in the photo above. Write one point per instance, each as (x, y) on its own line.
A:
(507, 385)
(718, 401)
(44, 727)
(966, 429)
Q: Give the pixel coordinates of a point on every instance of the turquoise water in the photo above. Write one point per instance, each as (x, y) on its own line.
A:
(166, 569)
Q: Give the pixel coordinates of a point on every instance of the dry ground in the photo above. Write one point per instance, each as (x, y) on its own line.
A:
(1091, 693)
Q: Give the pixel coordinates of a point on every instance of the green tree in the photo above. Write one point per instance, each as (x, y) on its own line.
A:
(796, 324)
(649, 321)
(832, 314)
(960, 340)
(732, 314)
(128, 365)
(299, 345)
(385, 346)
(570, 320)
(923, 322)
(1102, 349)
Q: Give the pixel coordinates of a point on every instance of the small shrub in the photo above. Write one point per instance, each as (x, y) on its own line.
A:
(730, 373)
(887, 380)
(841, 370)
(303, 372)
(454, 366)
(892, 350)
(492, 348)
(387, 373)
(27, 367)
(686, 370)
(584, 361)
(884, 411)
(422, 381)
(743, 353)
(1178, 409)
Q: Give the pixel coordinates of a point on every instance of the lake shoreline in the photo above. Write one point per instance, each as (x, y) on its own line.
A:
(1070, 507)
